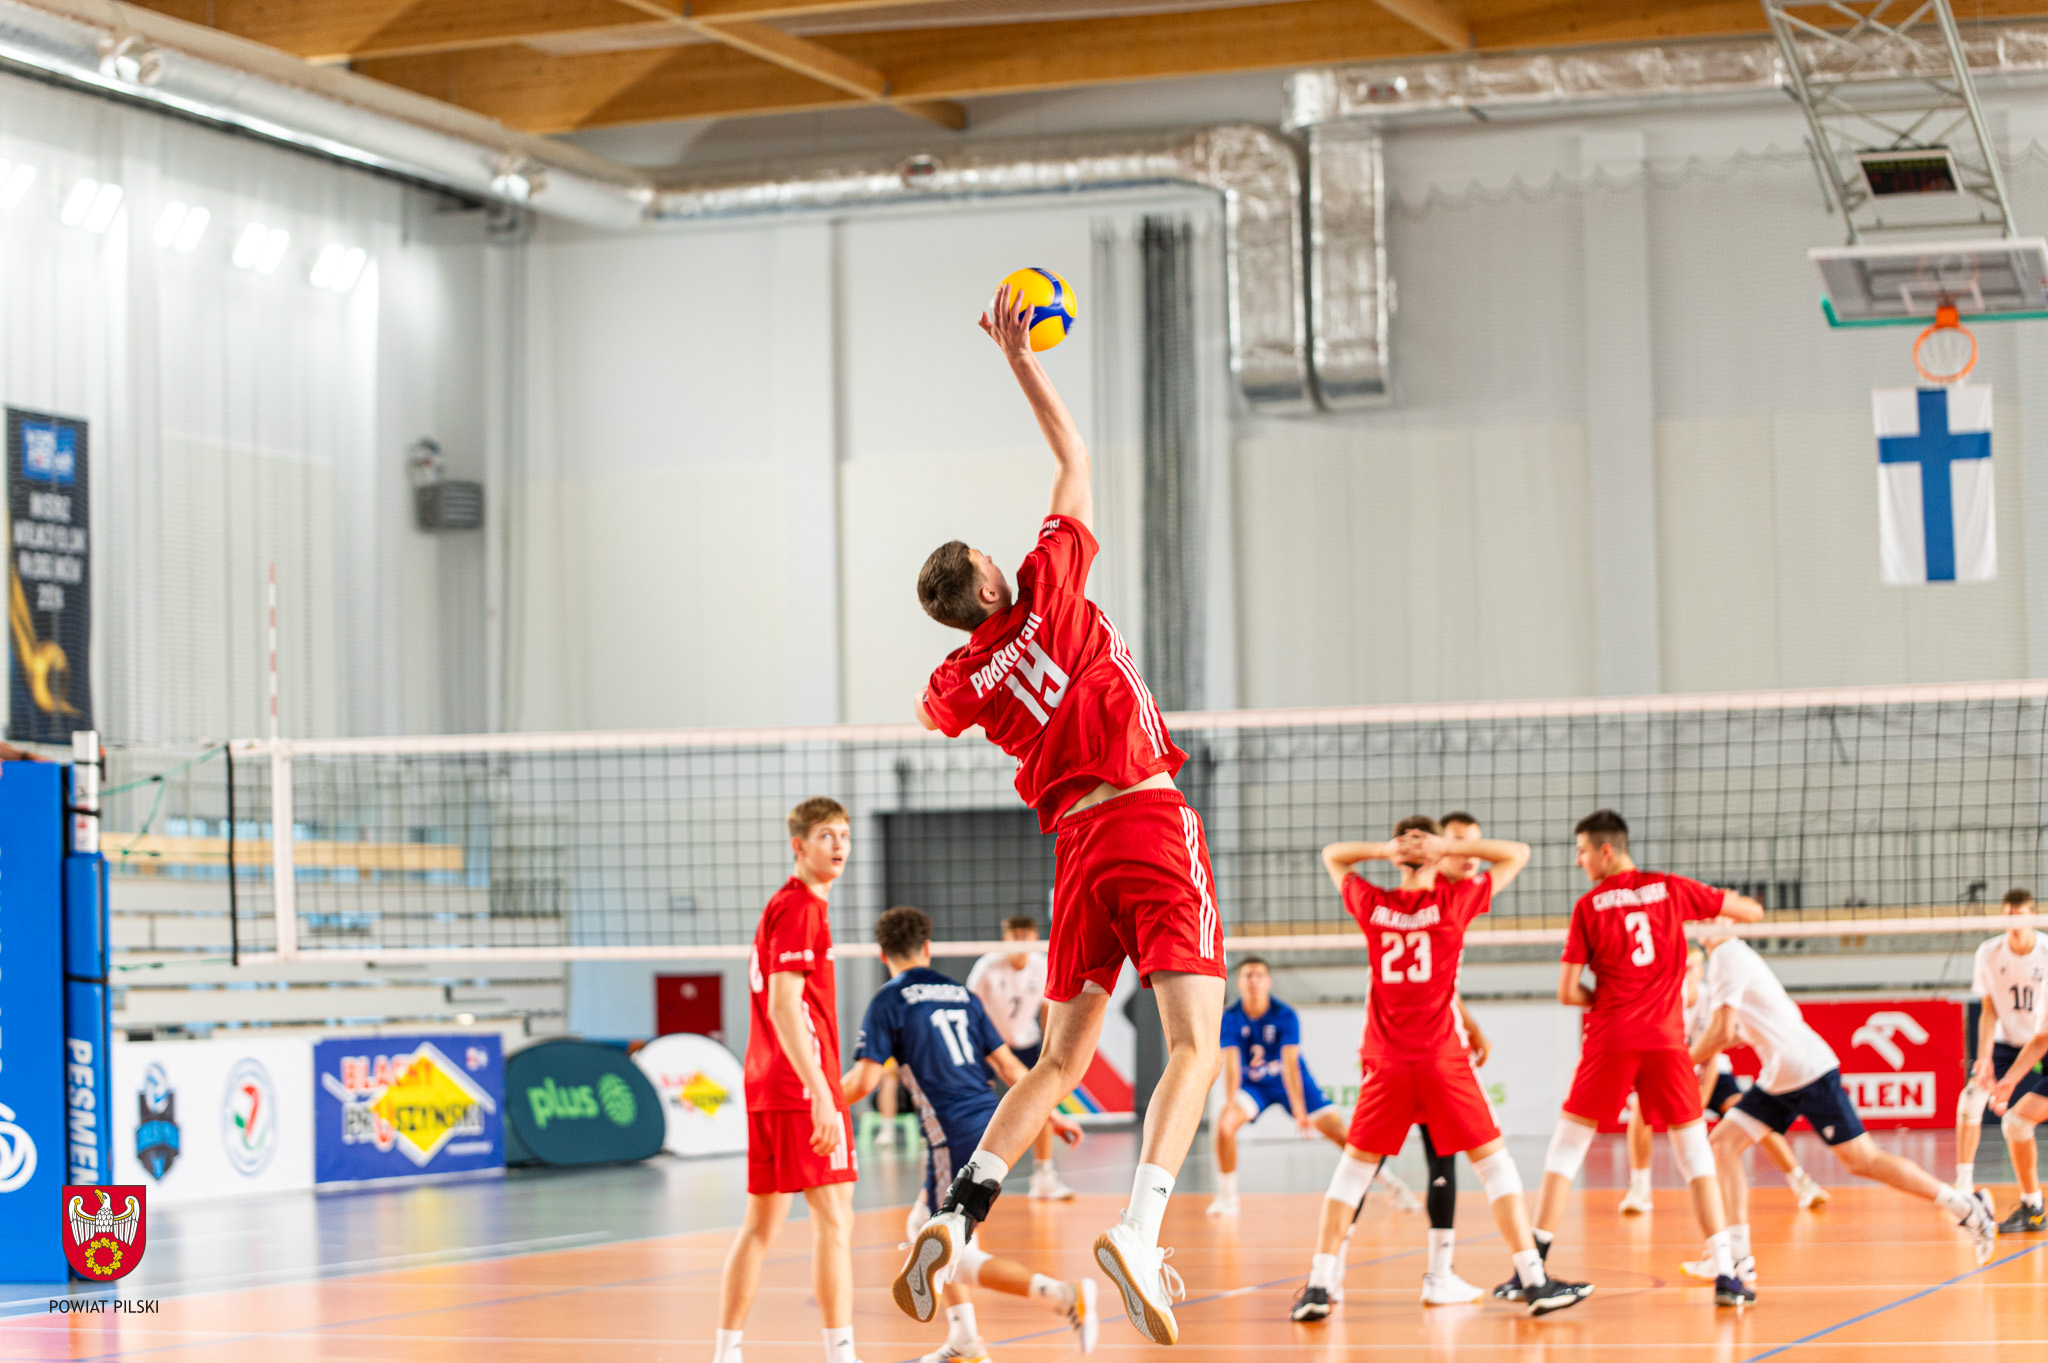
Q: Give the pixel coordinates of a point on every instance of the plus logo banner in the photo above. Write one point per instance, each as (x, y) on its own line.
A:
(1935, 505)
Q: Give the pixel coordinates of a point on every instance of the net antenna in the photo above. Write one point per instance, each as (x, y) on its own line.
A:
(1945, 352)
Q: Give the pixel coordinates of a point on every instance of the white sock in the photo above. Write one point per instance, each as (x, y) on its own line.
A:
(1956, 1202)
(1149, 1193)
(1738, 1241)
(960, 1326)
(1226, 1184)
(727, 1350)
(1060, 1294)
(1639, 1182)
(1529, 1268)
(1543, 1237)
(1722, 1253)
(987, 1168)
(1440, 1242)
(2032, 1199)
(839, 1345)
(1792, 1179)
(1966, 1174)
(1322, 1271)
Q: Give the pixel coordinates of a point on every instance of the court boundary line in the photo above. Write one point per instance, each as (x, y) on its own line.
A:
(1789, 1345)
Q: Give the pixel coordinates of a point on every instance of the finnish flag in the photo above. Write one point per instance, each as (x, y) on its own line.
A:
(1934, 507)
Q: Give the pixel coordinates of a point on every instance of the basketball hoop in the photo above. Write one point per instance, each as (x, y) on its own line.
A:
(1946, 352)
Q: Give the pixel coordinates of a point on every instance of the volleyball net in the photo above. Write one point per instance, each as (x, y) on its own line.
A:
(1867, 810)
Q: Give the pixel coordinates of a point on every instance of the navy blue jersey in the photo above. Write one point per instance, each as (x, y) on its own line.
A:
(940, 1036)
(1258, 1040)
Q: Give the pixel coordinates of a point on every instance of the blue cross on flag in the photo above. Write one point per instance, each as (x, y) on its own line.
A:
(1934, 505)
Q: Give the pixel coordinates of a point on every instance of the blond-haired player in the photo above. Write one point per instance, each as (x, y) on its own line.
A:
(2011, 977)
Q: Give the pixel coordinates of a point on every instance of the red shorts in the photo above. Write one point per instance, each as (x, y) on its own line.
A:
(1440, 1092)
(1666, 1086)
(780, 1158)
(1131, 880)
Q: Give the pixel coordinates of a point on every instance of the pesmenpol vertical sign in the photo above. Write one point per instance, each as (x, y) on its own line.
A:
(49, 570)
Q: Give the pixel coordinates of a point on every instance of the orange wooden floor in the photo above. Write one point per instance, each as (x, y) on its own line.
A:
(1871, 1276)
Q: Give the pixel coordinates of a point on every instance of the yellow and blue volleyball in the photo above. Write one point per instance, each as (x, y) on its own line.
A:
(1053, 309)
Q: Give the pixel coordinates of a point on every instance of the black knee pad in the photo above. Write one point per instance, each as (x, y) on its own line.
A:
(1442, 1196)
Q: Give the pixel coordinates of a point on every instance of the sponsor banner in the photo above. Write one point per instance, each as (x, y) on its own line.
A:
(105, 1229)
(32, 1085)
(703, 1094)
(404, 1106)
(49, 574)
(1902, 1059)
(1525, 1078)
(577, 1102)
(195, 1121)
(89, 1109)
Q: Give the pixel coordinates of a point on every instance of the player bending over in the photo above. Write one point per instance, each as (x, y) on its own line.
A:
(1011, 985)
(1262, 1068)
(1048, 679)
(799, 1136)
(2012, 979)
(1414, 1066)
(1801, 1077)
(1718, 1092)
(944, 1044)
(1630, 929)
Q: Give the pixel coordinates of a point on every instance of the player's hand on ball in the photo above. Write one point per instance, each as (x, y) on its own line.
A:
(826, 1128)
(1065, 1127)
(1007, 322)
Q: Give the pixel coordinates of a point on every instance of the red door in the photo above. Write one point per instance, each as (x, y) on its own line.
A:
(690, 1003)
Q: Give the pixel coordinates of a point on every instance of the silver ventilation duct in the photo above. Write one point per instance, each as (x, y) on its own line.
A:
(1350, 294)
(1257, 173)
(1479, 86)
(150, 59)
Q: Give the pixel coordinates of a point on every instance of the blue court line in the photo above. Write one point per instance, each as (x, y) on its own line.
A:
(1902, 1301)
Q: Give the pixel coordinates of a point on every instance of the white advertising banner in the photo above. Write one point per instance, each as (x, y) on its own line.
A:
(195, 1120)
(1535, 1047)
(703, 1093)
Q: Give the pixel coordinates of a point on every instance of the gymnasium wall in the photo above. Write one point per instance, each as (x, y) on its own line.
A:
(239, 419)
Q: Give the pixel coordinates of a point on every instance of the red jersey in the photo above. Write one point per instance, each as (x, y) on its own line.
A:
(794, 935)
(1050, 682)
(1414, 940)
(1631, 929)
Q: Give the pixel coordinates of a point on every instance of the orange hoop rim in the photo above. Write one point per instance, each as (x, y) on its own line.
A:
(1946, 318)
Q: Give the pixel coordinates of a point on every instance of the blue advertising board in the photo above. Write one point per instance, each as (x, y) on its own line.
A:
(407, 1106)
(32, 1089)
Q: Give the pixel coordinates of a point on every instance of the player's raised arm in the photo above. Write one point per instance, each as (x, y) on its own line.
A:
(1740, 907)
(1506, 858)
(1340, 857)
(1008, 323)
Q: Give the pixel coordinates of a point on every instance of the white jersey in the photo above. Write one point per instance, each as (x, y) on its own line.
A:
(1793, 1054)
(1013, 997)
(2016, 985)
(1697, 1016)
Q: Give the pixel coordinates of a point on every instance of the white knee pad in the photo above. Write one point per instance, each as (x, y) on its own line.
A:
(1349, 1183)
(1695, 1157)
(1498, 1175)
(2017, 1129)
(972, 1257)
(1568, 1149)
(1970, 1107)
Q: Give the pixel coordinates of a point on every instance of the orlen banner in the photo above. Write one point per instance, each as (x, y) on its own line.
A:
(198, 1120)
(405, 1106)
(1902, 1059)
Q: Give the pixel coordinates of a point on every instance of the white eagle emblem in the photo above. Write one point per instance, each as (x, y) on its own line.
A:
(85, 1225)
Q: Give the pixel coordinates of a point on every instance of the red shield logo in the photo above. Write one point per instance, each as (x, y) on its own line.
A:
(105, 1229)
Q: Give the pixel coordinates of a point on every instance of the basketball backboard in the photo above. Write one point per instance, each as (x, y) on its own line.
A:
(1995, 280)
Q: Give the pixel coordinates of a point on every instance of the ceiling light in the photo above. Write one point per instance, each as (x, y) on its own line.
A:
(106, 202)
(338, 268)
(134, 61)
(261, 248)
(78, 202)
(516, 179)
(14, 183)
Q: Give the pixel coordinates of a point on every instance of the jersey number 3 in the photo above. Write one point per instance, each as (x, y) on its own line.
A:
(1646, 945)
(1044, 676)
(952, 1025)
(1416, 945)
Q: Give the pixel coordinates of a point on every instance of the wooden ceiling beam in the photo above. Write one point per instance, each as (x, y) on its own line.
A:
(1437, 20)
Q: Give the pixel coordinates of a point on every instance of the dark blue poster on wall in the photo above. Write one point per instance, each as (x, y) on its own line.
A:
(404, 1106)
(49, 578)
